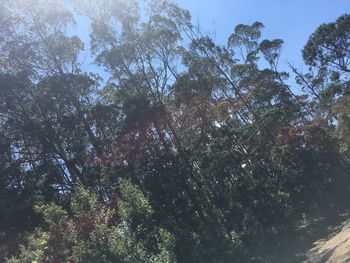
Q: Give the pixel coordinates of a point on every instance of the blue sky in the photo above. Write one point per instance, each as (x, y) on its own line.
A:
(291, 20)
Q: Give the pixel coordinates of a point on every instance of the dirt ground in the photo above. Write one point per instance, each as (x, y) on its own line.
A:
(334, 249)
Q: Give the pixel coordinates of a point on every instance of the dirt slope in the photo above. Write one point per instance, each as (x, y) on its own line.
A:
(335, 249)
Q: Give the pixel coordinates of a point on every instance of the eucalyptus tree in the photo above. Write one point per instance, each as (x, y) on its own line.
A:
(179, 148)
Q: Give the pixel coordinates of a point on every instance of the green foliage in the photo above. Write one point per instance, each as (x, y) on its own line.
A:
(34, 251)
(84, 201)
(329, 45)
(96, 233)
(52, 213)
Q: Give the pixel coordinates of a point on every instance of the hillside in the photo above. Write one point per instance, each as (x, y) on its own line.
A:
(333, 249)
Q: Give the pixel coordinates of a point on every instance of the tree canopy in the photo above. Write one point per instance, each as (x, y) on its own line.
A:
(171, 148)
